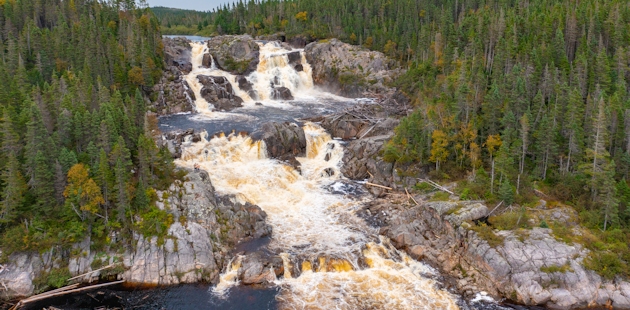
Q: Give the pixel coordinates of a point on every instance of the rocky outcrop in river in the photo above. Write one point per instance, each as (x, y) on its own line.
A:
(349, 70)
(219, 91)
(235, 54)
(194, 249)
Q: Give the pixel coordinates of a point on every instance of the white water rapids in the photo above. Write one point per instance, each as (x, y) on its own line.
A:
(341, 262)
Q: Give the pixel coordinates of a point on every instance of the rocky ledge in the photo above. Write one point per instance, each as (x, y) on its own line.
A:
(172, 94)
(349, 70)
(206, 227)
(531, 267)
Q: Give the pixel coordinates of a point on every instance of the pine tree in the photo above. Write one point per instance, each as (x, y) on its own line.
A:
(13, 189)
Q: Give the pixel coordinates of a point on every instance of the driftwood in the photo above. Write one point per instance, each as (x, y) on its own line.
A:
(93, 271)
(381, 186)
(411, 197)
(500, 203)
(65, 291)
(437, 186)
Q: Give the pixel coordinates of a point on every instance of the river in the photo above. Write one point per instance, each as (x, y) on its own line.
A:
(339, 261)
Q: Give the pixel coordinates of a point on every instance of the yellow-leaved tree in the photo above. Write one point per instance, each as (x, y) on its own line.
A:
(83, 192)
(493, 143)
(439, 153)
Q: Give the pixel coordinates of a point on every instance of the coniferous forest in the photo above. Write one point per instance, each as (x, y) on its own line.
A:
(512, 98)
(78, 157)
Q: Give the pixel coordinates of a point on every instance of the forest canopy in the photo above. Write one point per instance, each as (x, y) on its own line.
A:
(78, 157)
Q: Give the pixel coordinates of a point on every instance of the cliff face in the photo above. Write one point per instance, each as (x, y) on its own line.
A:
(349, 70)
(171, 94)
(194, 249)
(532, 267)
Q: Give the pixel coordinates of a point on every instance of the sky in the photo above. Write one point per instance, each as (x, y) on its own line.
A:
(199, 5)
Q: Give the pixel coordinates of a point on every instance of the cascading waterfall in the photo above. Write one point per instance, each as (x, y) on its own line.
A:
(273, 67)
(331, 258)
(341, 264)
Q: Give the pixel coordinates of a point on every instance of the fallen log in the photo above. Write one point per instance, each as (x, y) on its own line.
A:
(93, 271)
(435, 185)
(45, 296)
(381, 186)
(411, 197)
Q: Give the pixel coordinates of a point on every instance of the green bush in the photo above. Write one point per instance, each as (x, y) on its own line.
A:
(56, 278)
(155, 222)
(485, 232)
(606, 264)
(441, 196)
(562, 232)
(510, 220)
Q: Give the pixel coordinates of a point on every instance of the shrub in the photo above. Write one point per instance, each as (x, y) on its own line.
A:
(606, 264)
(440, 196)
(556, 268)
(510, 220)
(485, 232)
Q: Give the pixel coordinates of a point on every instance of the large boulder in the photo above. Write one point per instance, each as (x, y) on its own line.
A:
(235, 54)
(219, 91)
(284, 141)
(245, 85)
(281, 93)
(349, 70)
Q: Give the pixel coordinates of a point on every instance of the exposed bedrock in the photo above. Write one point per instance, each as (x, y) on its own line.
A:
(517, 269)
(235, 54)
(349, 70)
(205, 229)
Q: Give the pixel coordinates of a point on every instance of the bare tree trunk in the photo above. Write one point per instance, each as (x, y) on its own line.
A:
(492, 178)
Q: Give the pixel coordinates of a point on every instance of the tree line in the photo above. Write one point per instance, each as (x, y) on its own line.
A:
(78, 157)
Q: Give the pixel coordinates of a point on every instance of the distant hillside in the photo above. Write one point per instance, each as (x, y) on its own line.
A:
(184, 22)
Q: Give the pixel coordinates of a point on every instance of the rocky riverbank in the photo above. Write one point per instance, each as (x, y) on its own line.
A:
(531, 267)
(205, 228)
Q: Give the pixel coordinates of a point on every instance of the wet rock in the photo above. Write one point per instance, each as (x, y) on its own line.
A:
(284, 140)
(281, 93)
(255, 271)
(207, 60)
(246, 86)
(295, 58)
(235, 54)
(258, 103)
(227, 104)
(349, 70)
(329, 172)
(298, 67)
(300, 41)
(218, 91)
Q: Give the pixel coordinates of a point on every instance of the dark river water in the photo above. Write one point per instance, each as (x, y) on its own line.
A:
(251, 118)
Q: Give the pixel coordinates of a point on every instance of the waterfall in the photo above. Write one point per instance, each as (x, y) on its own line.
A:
(331, 258)
(274, 67)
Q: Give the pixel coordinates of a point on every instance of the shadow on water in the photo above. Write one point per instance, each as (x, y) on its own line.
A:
(181, 297)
